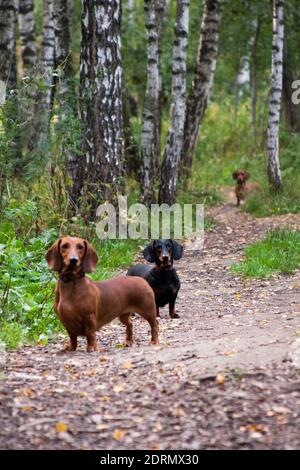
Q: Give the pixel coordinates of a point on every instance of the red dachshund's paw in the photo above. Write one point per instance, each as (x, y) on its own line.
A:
(91, 348)
(128, 343)
(154, 342)
(69, 347)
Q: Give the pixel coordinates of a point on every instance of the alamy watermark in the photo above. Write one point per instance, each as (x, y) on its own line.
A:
(296, 93)
(2, 92)
(141, 222)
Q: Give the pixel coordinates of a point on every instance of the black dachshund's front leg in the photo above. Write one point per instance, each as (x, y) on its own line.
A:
(172, 312)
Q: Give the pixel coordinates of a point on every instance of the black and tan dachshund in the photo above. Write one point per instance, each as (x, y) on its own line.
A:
(162, 278)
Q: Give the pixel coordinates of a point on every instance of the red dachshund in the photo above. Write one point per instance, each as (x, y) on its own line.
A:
(242, 190)
(84, 306)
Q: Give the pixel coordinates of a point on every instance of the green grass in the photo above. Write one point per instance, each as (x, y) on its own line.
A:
(265, 203)
(278, 253)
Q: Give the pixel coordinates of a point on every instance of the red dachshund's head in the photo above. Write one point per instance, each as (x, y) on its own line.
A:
(241, 176)
(71, 255)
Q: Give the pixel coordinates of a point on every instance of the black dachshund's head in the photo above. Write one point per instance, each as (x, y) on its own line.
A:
(163, 252)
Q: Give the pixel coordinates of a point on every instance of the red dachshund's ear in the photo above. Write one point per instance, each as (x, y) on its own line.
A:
(149, 254)
(53, 256)
(235, 174)
(177, 250)
(247, 175)
(90, 259)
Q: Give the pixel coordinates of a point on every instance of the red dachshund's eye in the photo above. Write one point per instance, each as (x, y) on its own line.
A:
(65, 246)
(80, 247)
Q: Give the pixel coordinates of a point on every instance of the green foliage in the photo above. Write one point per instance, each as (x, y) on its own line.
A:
(266, 202)
(278, 253)
(26, 287)
(225, 145)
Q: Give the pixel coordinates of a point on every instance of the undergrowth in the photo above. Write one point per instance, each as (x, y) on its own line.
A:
(278, 253)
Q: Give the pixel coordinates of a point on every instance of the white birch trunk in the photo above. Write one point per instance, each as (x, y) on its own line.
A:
(39, 137)
(47, 58)
(275, 96)
(150, 136)
(101, 171)
(8, 61)
(27, 36)
(172, 154)
(203, 79)
(130, 8)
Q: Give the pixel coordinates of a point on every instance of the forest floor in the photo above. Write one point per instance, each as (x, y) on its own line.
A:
(225, 375)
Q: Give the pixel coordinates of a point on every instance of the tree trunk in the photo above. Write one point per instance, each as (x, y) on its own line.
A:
(150, 138)
(170, 165)
(130, 8)
(131, 150)
(203, 79)
(43, 105)
(27, 36)
(275, 97)
(100, 175)
(63, 60)
(254, 75)
(292, 111)
(8, 24)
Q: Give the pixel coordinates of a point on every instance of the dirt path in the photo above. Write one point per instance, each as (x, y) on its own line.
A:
(223, 376)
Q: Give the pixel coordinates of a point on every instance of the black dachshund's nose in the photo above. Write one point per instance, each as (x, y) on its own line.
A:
(73, 260)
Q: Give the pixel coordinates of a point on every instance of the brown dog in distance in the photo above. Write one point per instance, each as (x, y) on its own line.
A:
(84, 306)
(242, 190)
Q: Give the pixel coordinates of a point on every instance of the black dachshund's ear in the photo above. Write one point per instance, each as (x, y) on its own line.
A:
(177, 250)
(149, 253)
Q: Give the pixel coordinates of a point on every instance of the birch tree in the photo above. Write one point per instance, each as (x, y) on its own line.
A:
(275, 96)
(99, 174)
(203, 79)
(27, 36)
(150, 136)
(8, 61)
(130, 8)
(44, 99)
(170, 165)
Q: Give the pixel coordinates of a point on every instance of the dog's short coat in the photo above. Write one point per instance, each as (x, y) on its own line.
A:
(162, 278)
(242, 190)
(84, 306)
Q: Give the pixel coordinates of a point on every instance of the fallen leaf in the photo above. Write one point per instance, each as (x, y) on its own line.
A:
(26, 408)
(105, 398)
(220, 379)
(102, 427)
(128, 365)
(229, 353)
(118, 434)
(26, 392)
(178, 412)
(61, 427)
